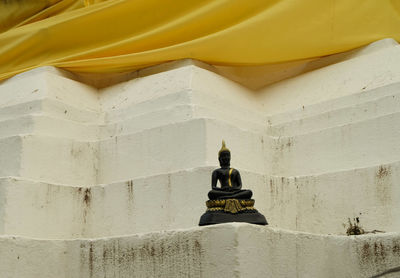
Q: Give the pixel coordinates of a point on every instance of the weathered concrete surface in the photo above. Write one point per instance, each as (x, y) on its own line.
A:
(70, 151)
(318, 204)
(83, 170)
(228, 250)
(59, 211)
(373, 70)
(345, 110)
(324, 203)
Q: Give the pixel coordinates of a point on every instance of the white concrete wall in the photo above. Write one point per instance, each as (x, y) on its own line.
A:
(317, 149)
(229, 250)
(373, 70)
(59, 211)
(171, 120)
(324, 203)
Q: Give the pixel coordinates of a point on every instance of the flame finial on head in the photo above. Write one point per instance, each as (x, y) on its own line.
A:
(223, 148)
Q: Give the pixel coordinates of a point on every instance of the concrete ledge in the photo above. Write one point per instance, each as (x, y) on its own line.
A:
(349, 115)
(324, 203)
(51, 108)
(316, 203)
(146, 88)
(228, 250)
(44, 210)
(352, 76)
(357, 98)
(355, 145)
(48, 126)
(47, 83)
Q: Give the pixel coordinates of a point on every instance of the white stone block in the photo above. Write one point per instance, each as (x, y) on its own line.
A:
(324, 203)
(10, 158)
(52, 159)
(147, 88)
(159, 150)
(351, 76)
(166, 102)
(44, 125)
(61, 110)
(330, 118)
(40, 84)
(340, 103)
(240, 250)
(356, 145)
(44, 210)
(154, 119)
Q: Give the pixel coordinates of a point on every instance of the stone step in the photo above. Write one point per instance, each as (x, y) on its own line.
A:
(353, 76)
(45, 157)
(50, 159)
(167, 102)
(45, 83)
(184, 79)
(356, 145)
(146, 152)
(51, 108)
(324, 203)
(40, 123)
(214, 106)
(384, 105)
(154, 119)
(45, 125)
(320, 204)
(203, 106)
(336, 105)
(153, 203)
(173, 115)
(231, 250)
(58, 109)
(146, 89)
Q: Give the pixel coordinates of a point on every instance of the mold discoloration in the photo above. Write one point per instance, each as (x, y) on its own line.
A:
(87, 196)
(365, 251)
(129, 184)
(151, 255)
(271, 186)
(289, 142)
(383, 184)
(396, 248)
(84, 195)
(314, 201)
(383, 171)
(76, 150)
(377, 253)
(283, 143)
(379, 250)
(91, 259)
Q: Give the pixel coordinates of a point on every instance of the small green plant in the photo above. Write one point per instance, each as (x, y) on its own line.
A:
(354, 228)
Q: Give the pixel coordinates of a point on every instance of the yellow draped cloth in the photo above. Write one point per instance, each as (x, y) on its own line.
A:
(123, 35)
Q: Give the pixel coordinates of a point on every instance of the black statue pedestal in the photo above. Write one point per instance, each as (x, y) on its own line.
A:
(231, 210)
(229, 203)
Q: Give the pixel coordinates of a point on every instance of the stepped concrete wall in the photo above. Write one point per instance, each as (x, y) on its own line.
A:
(81, 167)
(228, 250)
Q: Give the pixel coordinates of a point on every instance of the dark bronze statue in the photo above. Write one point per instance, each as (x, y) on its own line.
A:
(229, 203)
(229, 178)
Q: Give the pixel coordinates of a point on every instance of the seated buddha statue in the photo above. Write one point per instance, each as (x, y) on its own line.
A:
(229, 179)
(229, 203)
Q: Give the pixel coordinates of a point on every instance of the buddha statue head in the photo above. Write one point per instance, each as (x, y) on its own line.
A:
(224, 156)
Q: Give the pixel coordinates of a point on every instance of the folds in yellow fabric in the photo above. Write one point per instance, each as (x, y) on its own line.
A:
(122, 35)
